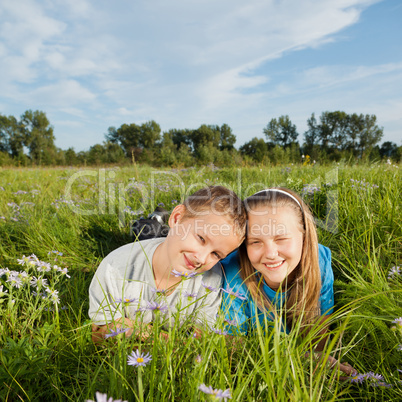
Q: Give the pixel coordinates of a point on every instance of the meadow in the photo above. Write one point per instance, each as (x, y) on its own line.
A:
(57, 224)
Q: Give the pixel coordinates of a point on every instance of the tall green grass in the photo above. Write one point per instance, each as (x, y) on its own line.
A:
(46, 351)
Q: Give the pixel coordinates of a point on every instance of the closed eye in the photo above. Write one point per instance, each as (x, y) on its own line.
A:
(253, 242)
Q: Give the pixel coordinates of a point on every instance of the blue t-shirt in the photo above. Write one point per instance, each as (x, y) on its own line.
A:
(240, 309)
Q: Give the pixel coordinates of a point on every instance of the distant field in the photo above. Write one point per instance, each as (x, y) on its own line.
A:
(46, 353)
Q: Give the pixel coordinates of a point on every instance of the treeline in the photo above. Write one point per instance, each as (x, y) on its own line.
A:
(334, 136)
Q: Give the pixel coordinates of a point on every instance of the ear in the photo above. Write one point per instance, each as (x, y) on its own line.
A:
(176, 215)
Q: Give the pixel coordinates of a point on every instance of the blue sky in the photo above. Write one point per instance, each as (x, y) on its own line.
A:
(93, 64)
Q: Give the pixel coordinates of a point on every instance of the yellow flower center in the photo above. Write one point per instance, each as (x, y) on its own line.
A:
(140, 360)
(186, 274)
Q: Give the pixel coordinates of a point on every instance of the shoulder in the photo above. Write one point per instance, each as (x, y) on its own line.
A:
(324, 256)
(213, 276)
(232, 279)
(231, 267)
(138, 253)
(138, 247)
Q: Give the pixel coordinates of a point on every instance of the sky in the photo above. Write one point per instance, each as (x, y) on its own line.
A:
(93, 64)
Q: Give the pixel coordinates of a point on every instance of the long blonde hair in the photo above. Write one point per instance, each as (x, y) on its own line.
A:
(304, 290)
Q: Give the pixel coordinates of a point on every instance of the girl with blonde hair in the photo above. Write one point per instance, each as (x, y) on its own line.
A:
(280, 270)
(280, 265)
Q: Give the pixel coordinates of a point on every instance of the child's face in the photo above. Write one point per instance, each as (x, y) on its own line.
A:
(274, 243)
(198, 243)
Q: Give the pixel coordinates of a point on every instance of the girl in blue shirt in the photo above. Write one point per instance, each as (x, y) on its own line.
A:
(279, 266)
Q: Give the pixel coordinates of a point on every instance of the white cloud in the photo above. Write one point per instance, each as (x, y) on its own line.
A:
(182, 62)
(62, 94)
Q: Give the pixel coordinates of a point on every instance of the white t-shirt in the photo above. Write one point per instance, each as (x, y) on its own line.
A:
(127, 273)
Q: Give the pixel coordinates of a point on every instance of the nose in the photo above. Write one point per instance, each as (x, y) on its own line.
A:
(270, 250)
(202, 257)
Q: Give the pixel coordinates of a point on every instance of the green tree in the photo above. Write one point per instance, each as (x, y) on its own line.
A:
(256, 149)
(228, 139)
(281, 132)
(11, 136)
(134, 138)
(112, 135)
(336, 126)
(338, 132)
(113, 153)
(168, 150)
(181, 136)
(367, 132)
(70, 157)
(388, 149)
(311, 136)
(150, 134)
(204, 136)
(38, 136)
(184, 156)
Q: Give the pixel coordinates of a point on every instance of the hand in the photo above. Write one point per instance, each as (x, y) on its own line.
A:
(333, 363)
(345, 368)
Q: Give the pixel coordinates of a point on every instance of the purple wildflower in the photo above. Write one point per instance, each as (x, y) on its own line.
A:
(217, 393)
(373, 376)
(358, 378)
(138, 359)
(375, 380)
(15, 281)
(310, 189)
(234, 294)
(4, 271)
(231, 322)
(394, 272)
(38, 282)
(219, 331)
(159, 292)
(64, 272)
(125, 300)
(190, 296)
(399, 348)
(208, 288)
(185, 275)
(31, 260)
(42, 266)
(103, 398)
(55, 252)
(53, 295)
(154, 306)
(115, 333)
(398, 321)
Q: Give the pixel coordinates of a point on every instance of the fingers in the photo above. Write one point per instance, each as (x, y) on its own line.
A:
(347, 369)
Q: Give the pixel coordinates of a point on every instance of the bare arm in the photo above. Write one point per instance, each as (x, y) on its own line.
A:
(344, 368)
(143, 333)
(99, 331)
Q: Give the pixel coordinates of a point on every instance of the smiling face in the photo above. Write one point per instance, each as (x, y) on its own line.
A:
(274, 243)
(196, 244)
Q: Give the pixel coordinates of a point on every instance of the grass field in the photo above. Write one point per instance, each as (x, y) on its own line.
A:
(46, 352)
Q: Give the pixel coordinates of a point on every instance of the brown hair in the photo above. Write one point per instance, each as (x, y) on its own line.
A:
(221, 201)
(304, 289)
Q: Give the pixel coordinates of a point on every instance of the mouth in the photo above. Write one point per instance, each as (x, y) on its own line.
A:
(189, 264)
(274, 266)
